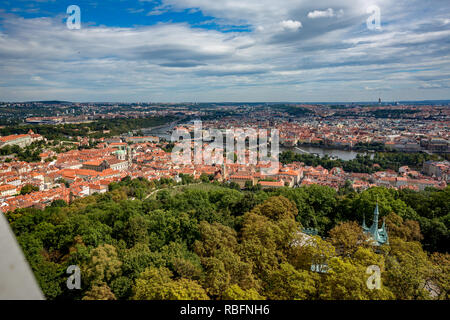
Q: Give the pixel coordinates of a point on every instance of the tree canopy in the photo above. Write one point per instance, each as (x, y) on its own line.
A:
(210, 241)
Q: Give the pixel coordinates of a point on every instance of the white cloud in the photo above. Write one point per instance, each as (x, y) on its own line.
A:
(321, 14)
(330, 59)
(291, 25)
(257, 12)
(133, 10)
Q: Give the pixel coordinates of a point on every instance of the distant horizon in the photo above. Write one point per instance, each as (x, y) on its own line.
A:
(235, 102)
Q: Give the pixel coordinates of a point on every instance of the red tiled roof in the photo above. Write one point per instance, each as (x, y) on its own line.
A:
(13, 137)
(271, 183)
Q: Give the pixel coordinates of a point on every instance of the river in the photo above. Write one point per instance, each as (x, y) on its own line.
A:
(334, 153)
(164, 132)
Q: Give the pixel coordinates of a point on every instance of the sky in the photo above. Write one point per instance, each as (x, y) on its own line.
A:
(225, 50)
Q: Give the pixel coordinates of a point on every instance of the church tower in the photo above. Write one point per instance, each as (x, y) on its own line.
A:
(378, 236)
(129, 155)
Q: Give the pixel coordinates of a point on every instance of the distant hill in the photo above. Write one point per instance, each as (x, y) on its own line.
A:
(51, 102)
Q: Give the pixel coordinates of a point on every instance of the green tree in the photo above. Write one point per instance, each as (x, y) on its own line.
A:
(157, 284)
(28, 188)
(286, 283)
(267, 234)
(104, 264)
(408, 270)
(408, 230)
(234, 292)
(388, 201)
(219, 252)
(347, 237)
(346, 278)
(99, 291)
(439, 284)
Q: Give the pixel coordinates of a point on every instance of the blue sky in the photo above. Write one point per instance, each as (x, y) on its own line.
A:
(225, 50)
(110, 13)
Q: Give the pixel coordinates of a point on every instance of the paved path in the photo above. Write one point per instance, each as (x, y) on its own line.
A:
(178, 186)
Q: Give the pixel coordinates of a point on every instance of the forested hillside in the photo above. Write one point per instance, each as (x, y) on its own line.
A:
(160, 240)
